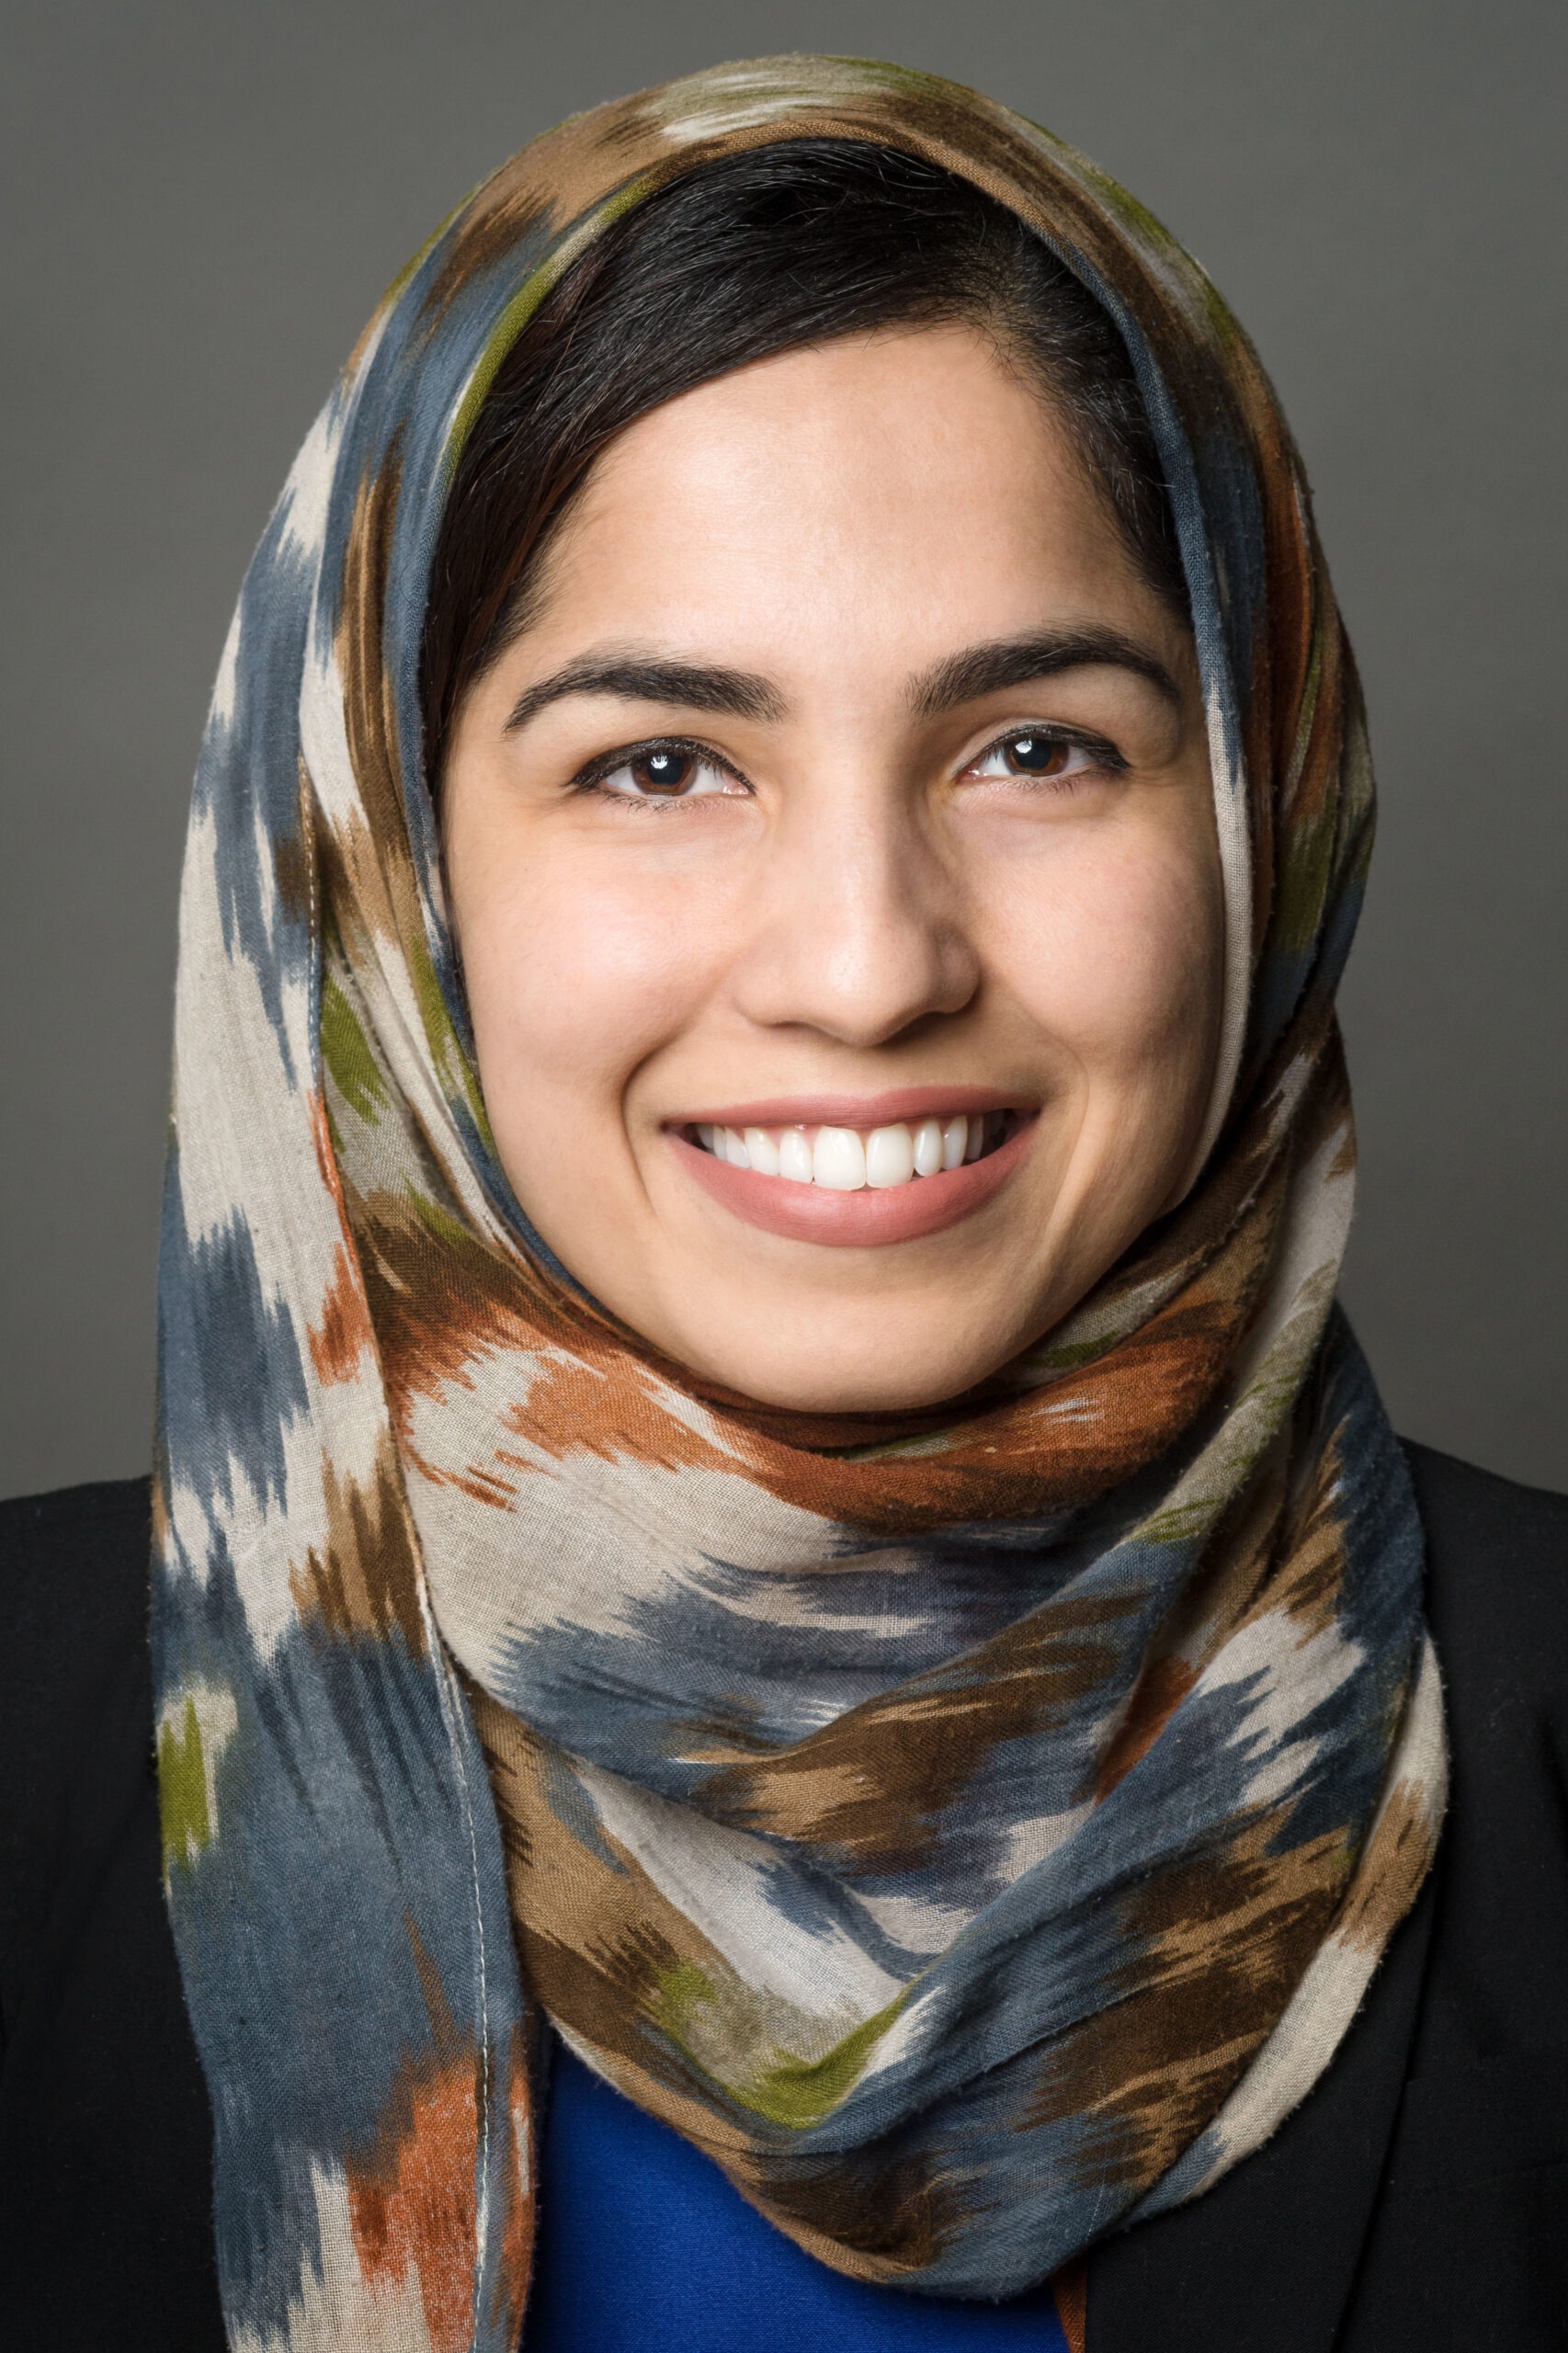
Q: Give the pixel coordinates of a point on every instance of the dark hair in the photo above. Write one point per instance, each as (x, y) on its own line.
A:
(745, 258)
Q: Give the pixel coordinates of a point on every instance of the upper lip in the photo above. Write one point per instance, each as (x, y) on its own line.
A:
(884, 1111)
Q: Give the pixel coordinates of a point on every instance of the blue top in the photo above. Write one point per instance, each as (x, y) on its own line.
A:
(644, 2248)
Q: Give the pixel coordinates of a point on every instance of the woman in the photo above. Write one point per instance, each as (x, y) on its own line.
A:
(786, 1625)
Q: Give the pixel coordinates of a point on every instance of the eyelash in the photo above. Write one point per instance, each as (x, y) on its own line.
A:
(592, 778)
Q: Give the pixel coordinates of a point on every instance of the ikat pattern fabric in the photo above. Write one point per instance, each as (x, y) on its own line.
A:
(975, 1836)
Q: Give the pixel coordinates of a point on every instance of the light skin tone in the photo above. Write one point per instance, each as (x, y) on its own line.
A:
(847, 772)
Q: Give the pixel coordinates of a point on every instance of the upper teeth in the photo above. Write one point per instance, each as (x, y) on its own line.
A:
(846, 1159)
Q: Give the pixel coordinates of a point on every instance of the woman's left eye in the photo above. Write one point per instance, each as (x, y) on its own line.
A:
(665, 772)
(1033, 754)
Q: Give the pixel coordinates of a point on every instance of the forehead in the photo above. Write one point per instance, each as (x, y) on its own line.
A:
(903, 484)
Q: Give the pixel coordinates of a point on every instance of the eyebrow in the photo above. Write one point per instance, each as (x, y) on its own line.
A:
(641, 677)
(1019, 661)
(745, 694)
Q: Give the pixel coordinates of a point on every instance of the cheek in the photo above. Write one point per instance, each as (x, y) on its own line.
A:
(1117, 956)
(573, 980)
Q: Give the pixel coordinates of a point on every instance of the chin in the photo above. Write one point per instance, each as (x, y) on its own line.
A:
(837, 1372)
(851, 1394)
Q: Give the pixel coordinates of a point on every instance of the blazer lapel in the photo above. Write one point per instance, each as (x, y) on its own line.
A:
(1268, 2258)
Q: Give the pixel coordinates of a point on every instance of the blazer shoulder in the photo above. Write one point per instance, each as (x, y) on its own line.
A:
(1497, 1605)
(74, 1578)
(75, 1681)
(71, 1520)
(1496, 1576)
(1462, 1495)
(103, 2113)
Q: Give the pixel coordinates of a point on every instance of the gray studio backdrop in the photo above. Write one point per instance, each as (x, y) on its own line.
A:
(202, 204)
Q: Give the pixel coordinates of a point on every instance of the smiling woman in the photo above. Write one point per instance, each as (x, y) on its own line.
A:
(797, 1684)
(944, 845)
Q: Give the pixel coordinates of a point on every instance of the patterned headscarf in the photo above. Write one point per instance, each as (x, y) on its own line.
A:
(974, 1838)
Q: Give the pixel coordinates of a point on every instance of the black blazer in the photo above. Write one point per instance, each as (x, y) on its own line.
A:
(1416, 2202)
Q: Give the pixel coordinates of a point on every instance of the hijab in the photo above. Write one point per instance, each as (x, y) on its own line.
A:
(975, 1836)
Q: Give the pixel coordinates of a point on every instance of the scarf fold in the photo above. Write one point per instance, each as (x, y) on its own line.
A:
(975, 1836)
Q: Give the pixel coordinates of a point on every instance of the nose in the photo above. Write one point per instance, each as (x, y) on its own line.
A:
(857, 927)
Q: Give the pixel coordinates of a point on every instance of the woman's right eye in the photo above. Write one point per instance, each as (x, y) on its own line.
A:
(665, 772)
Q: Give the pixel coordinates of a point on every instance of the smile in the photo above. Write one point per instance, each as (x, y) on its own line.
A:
(846, 1160)
(856, 1180)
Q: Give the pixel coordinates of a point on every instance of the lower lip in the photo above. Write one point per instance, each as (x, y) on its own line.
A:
(854, 1220)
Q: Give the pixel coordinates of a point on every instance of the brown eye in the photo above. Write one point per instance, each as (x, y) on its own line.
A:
(667, 771)
(1037, 754)
(1042, 759)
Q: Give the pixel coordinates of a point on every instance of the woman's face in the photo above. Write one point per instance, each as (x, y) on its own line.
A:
(847, 791)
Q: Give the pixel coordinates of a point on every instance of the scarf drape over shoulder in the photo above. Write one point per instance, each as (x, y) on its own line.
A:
(973, 1840)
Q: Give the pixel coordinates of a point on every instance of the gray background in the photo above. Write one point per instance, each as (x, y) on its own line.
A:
(201, 205)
